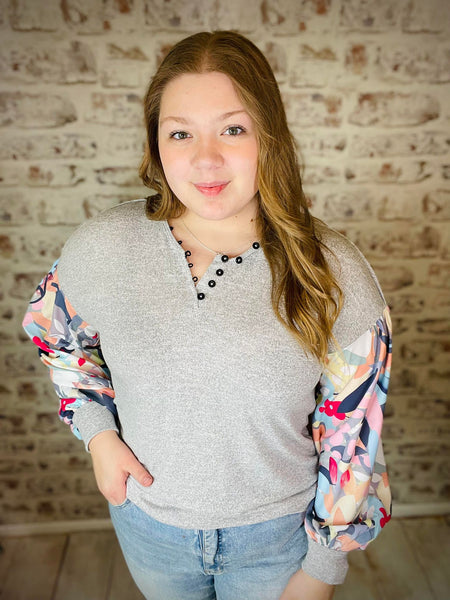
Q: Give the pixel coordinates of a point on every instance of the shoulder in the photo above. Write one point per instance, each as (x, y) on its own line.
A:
(364, 302)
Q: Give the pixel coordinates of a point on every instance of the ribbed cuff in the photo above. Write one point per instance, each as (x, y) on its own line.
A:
(325, 564)
(93, 418)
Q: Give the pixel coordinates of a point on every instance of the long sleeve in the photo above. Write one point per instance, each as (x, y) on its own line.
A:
(70, 348)
(353, 500)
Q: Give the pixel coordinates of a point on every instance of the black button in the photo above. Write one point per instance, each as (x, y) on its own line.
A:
(224, 258)
(219, 272)
(239, 259)
(180, 241)
(255, 245)
(191, 265)
(187, 253)
(171, 228)
(211, 283)
(195, 279)
(200, 296)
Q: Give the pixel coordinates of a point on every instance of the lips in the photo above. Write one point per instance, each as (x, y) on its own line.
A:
(211, 189)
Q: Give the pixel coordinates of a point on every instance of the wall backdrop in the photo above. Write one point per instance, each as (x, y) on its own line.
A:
(366, 87)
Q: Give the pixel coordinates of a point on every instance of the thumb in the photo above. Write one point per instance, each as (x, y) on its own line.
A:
(140, 473)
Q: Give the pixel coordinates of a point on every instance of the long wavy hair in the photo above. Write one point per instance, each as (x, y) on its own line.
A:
(305, 295)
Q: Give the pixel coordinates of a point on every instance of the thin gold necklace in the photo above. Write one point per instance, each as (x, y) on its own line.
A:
(200, 242)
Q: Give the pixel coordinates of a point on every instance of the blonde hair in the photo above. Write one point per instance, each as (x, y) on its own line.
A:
(305, 296)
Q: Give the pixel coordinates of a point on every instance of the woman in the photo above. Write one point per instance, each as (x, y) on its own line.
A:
(224, 355)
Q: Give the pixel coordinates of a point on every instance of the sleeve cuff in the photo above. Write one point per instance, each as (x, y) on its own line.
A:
(325, 564)
(93, 418)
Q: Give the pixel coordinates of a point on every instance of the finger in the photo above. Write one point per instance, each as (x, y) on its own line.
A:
(140, 473)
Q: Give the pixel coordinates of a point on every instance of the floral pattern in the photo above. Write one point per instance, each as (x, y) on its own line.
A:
(353, 500)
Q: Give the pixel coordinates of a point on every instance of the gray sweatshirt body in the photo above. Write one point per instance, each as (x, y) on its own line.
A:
(213, 394)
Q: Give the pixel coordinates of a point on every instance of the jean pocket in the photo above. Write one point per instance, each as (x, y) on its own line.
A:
(125, 503)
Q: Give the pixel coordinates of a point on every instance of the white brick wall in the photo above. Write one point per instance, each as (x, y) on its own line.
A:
(366, 86)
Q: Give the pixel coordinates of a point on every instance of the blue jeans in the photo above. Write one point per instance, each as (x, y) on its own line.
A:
(249, 562)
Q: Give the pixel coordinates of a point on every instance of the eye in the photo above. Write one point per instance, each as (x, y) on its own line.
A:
(179, 135)
(234, 130)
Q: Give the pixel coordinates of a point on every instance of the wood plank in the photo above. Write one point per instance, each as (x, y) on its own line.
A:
(87, 564)
(32, 566)
(122, 585)
(360, 581)
(430, 543)
(398, 574)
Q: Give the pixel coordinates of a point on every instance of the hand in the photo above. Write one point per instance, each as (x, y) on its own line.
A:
(302, 586)
(113, 463)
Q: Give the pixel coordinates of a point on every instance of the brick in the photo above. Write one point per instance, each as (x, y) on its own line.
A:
(402, 325)
(276, 56)
(95, 203)
(357, 59)
(117, 110)
(425, 242)
(436, 205)
(321, 173)
(399, 144)
(28, 15)
(38, 247)
(65, 462)
(28, 111)
(445, 171)
(237, 15)
(402, 206)
(49, 63)
(388, 172)
(421, 449)
(56, 175)
(10, 175)
(313, 110)
(61, 443)
(178, 14)
(42, 146)
(432, 16)
(400, 241)
(313, 67)
(394, 109)
(14, 209)
(54, 211)
(123, 144)
(438, 276)
(438, 302)
(12, 466)
(135, 53)
(329, 145)
(12, 424)
(437, 383)
(367, 16)
(286, 17)
(345, 206)
(424, 62)
(423, 352)
(403, 380)
(125, 73)
(16, 445)
(86, 17)
(434, 326)
(394, 277)
(120, 176)
(406, 303)
(17, 511)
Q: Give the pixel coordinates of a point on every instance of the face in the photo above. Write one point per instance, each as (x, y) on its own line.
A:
(208, 147)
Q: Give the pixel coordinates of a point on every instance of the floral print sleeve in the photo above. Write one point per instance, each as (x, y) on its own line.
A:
(353, 501)
(70, 348)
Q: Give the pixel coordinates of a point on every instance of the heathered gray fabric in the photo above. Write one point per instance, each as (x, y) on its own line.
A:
(213, 395)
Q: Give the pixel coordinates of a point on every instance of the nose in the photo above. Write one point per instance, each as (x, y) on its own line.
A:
(207, 153)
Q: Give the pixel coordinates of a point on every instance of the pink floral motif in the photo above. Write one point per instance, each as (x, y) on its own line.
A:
(385, 519)
(331, 410)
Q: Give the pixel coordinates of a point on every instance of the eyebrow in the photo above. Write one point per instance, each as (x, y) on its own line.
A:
(226, 115)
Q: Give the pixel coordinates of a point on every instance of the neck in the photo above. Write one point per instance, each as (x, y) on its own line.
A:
(228, 233)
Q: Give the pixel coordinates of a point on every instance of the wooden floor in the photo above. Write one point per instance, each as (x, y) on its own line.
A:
(409, 561)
